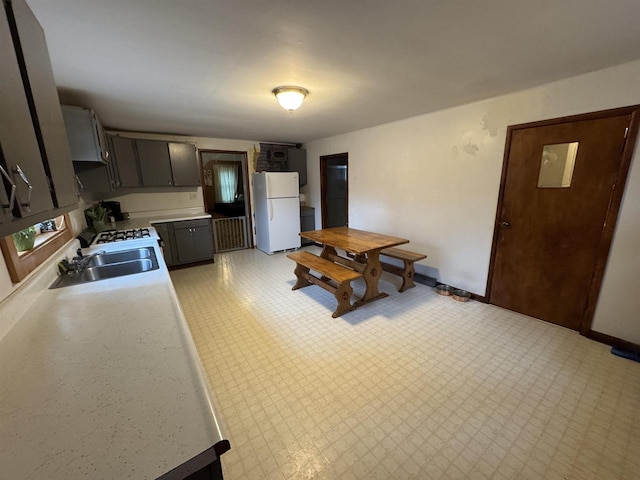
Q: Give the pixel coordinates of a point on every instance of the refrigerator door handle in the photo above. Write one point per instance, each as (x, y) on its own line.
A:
(270, 207)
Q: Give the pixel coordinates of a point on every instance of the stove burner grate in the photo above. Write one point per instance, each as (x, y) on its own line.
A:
(110, 236)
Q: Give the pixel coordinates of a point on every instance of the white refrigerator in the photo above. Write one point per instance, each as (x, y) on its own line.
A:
(277, 211)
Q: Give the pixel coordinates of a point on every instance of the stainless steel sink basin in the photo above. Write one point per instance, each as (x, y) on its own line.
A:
(111, 265)
(119, 257)
(111, 270)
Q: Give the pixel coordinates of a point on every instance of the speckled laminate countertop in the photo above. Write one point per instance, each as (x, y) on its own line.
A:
(145, 221)
(102, 380)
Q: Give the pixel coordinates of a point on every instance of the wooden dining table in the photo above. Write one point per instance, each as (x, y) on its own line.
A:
(364, 246)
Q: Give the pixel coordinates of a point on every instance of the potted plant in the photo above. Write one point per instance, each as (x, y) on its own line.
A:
(25, 239)
(96, 216)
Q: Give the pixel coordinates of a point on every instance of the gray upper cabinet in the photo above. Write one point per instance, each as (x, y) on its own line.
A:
(90, 151)
(55, 149)
(155, 164)
(86, 136)
(184, 164)
(18, 138)
(124, 155)
(32, 155)
(298, 163)
(167, 163)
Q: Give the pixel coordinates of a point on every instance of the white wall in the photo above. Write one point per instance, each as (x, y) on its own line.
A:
(434, 179)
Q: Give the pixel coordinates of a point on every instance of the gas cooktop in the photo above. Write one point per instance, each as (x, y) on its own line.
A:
(110, 236)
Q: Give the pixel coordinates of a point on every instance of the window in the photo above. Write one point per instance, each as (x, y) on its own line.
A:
(226, 181)
(49, 237)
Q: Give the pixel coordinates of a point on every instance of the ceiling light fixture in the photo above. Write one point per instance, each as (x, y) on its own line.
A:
(290, 98)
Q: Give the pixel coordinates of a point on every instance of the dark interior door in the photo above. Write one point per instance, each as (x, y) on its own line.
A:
(556, 200)
(334, 191)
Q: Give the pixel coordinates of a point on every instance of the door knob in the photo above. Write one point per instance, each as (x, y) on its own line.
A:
(505, 224)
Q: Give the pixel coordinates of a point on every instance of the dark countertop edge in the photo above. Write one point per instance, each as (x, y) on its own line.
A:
(198, 462)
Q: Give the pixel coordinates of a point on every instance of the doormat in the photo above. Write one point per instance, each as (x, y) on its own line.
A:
(635, 356)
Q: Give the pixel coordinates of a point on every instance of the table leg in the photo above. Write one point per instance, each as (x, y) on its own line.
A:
(371, 274)
(327, 251)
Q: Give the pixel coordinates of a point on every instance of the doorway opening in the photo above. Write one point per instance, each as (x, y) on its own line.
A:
(560, 193)
(225, 189)
(334, 190)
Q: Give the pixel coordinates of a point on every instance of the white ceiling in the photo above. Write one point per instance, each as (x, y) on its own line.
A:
(207, 67)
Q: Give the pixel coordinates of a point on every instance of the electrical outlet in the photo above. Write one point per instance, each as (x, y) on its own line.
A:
(192, 196)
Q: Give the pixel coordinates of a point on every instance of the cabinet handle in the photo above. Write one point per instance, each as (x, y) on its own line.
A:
(12, 196)
(24, 178)
(80, 185)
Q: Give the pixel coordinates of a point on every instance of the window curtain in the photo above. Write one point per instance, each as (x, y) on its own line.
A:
(226, 181)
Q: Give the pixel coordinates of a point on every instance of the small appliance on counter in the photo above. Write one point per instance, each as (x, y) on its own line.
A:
(115, 211)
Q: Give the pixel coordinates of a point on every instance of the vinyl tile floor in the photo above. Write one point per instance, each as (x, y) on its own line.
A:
(413, 386)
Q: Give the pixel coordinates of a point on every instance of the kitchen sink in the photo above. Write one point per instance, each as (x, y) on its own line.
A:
(111, 270)
(110, 265)
(119, 257)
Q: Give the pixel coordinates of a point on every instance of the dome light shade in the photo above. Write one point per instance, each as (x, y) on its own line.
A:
(290, 98)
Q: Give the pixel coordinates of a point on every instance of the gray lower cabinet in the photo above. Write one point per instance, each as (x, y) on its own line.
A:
(194, 241)
(165, 232)
(187, 241)
(307, 222)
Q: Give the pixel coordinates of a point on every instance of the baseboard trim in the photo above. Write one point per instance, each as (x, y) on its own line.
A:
(613, 341)
(424, 280)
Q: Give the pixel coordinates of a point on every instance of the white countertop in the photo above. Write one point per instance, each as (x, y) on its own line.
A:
(102, 380)
(145, 221)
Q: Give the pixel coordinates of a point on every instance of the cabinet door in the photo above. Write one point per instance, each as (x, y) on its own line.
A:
(123, 154)
(298, 163)
(193, 244)
(95, 179)
(20, 154)
(5, 214)
(184, 164)
(55, 149)
(155, 165)
(82, 135)
(165, 232)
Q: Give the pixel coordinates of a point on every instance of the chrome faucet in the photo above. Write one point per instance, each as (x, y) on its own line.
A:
(77, 263)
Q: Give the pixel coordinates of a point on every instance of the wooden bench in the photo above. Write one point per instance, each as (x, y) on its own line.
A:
(335, 278)
(408, 271)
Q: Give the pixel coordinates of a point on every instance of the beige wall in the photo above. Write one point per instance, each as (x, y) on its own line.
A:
(435, 180)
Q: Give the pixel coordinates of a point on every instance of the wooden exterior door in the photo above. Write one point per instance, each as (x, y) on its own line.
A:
(561, 189)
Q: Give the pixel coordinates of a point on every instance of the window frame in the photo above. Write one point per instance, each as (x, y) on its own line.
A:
(19, 266)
